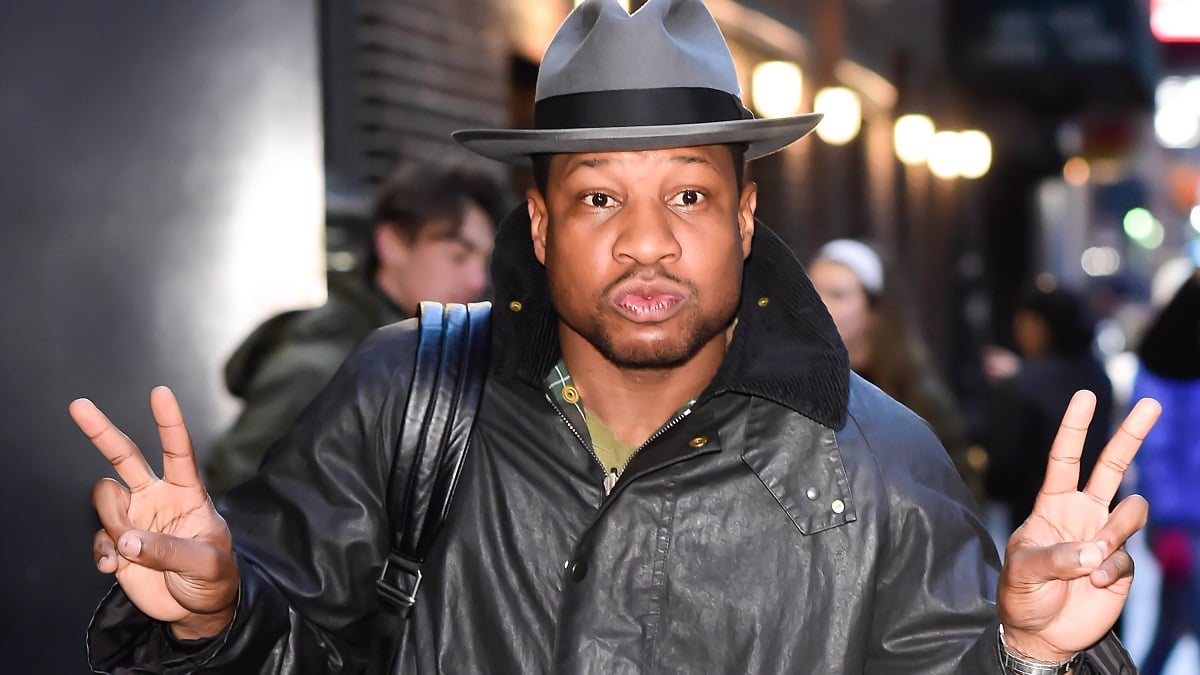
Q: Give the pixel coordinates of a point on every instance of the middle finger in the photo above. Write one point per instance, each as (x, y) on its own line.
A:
(1118, 454)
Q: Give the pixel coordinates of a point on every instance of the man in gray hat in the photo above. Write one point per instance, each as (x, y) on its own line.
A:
(672, 468)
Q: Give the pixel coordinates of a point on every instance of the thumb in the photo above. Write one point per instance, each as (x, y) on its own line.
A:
(1066, 561)
(192, 558)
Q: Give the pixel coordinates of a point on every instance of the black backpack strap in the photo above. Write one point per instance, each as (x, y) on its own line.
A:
(448, 375)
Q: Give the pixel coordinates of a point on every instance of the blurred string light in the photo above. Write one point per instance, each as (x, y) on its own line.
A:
(1077, 171)
(943, 154)
(843, 115)
(1143, 228)
(960, 153)
(1100, 261)
(913, 137)
(975, 154)
(775, 89)
(1194, 218)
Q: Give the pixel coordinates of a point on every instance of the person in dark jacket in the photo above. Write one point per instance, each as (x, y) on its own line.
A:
(431, 240)
(1054, 331)
(672, 468)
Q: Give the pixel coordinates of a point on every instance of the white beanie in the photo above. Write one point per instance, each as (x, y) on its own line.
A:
(861, 260)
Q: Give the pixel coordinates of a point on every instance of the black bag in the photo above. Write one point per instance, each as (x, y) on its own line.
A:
(451, 365)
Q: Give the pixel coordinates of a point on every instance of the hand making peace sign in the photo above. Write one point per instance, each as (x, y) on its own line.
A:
(1066, 574)
(169, 548)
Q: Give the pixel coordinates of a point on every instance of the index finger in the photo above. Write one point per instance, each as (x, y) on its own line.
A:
(179, 458)
(1118, 454)
(121, 452)
(1062, 471)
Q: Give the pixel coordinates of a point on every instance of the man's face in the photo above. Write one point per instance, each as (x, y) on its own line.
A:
(644, 250)
(439, 268)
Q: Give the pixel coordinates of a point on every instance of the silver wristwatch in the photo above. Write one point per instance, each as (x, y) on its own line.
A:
(1016, 663)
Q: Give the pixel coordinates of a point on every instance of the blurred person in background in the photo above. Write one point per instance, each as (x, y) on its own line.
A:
(1054, 331)
(433, 229)
(873, 318)
(1169, 465)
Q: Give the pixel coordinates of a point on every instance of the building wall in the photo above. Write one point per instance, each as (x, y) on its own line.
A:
(161, 192)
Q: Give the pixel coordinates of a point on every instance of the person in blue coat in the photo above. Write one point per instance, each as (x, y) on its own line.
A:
(1169, 465)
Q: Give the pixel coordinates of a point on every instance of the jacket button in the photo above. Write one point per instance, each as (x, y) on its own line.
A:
(698, 442)
(577, 570)
(838, 506)
(812, 493)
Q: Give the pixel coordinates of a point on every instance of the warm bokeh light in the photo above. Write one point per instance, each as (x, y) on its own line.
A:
(843, 115)
(1077, 171)
(913, 137)
(974, 154)
(944, 154)
(776, 88)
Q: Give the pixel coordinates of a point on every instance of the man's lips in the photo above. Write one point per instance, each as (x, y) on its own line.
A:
(648, 302)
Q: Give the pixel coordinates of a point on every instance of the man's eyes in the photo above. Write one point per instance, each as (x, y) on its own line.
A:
(684, 198)
(687, 198)
(598, 200)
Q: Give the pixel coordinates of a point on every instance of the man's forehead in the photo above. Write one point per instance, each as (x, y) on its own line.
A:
(715, 155)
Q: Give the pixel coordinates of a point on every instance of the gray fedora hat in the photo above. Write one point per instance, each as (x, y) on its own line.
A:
(662, 77)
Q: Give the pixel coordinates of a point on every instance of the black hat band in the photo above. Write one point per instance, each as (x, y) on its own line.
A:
(666, 106)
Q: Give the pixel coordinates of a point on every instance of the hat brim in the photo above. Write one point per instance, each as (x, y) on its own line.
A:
(761, 136)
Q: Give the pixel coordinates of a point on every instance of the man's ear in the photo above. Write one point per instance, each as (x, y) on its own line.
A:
(538, 222)
(746, 207)
(391, 247)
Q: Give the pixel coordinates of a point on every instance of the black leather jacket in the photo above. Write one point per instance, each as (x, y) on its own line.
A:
(751, 537)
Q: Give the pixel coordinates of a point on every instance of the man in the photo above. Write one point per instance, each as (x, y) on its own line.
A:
(431, 240)
(672, 469)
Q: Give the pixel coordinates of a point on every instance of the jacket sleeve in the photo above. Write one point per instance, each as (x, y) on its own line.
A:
(935, 588)
(310, 534)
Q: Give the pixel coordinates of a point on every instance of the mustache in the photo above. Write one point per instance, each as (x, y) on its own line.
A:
(647, 273)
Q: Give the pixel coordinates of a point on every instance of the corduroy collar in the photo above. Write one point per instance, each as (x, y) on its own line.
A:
(785, 349)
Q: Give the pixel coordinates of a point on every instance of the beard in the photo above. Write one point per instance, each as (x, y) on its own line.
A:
(680, 338)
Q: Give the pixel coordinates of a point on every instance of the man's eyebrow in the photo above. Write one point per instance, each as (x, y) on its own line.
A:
(588, 162)
(692, 159)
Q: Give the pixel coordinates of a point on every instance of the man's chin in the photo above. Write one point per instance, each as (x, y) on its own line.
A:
(642, 356)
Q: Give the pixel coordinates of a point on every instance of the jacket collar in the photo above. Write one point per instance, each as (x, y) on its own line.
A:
(785, 349)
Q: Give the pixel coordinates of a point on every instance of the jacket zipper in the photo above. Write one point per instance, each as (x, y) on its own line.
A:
(579, 437)
(611, 476)
(610, 481)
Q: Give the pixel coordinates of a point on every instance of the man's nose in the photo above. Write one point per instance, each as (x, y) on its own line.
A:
(647, 234)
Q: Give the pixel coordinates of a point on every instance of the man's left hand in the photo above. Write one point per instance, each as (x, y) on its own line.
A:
(1066, 574)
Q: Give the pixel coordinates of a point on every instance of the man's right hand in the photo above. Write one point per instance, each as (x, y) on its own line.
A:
(169, 548)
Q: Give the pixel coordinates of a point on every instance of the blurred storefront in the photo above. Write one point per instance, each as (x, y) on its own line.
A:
(1068, 89)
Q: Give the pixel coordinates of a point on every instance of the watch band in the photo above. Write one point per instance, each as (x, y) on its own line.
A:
(1016, 663)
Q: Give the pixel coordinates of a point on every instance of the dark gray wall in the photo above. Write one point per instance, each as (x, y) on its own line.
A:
(160, 191)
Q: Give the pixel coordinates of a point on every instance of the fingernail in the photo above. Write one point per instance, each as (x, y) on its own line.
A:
(103, 559)
(1103, 574)
(131, 545)
(1090, 557)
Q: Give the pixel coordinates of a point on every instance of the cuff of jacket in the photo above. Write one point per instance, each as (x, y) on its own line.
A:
(122, 640)
(1106, 657)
